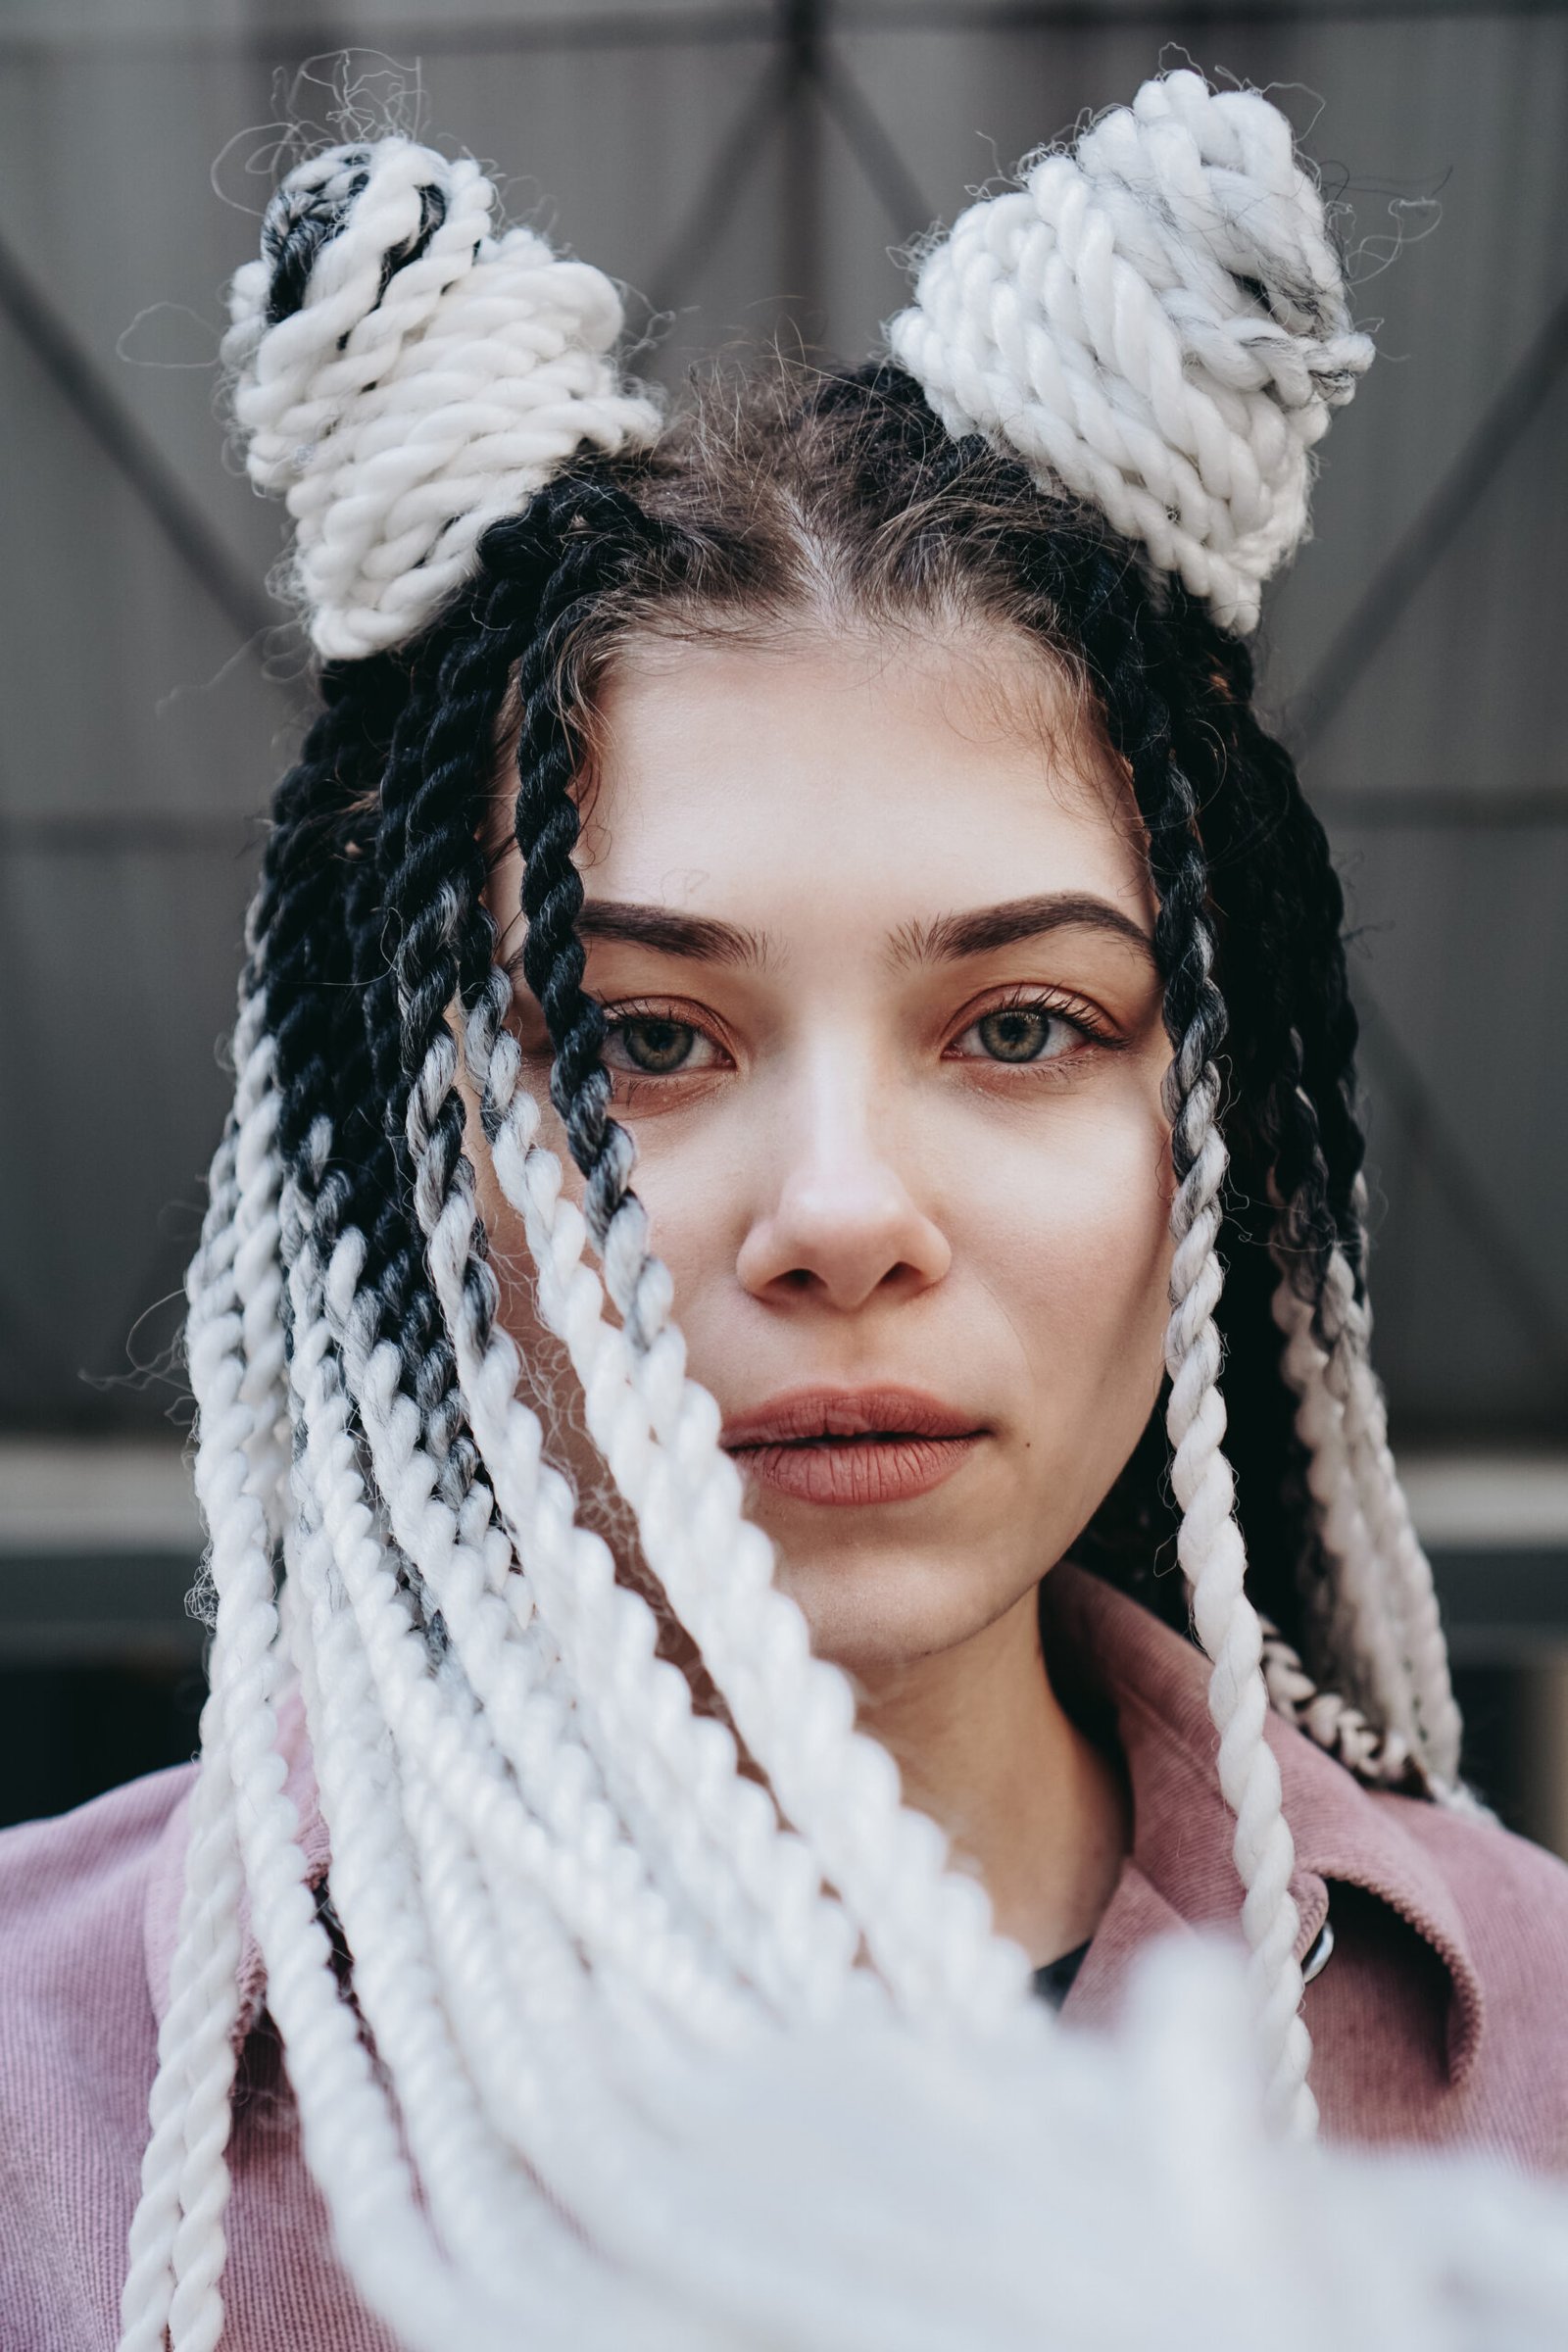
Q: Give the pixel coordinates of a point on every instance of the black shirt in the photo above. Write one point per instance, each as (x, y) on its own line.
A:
(1055, 1980)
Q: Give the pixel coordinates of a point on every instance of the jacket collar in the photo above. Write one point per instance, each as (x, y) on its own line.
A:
(1112, 1651)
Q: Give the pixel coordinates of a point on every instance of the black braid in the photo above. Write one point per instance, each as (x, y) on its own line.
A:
(339, 926)
(592, 522)
(417, 936)
(298, 953)
(1114, 630)
(1247, 928)
(1312, 1055)
(432, 872)
(1222, 823)
(1142, 671)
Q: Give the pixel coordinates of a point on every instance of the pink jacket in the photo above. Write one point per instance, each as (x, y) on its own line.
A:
(1438, 2018)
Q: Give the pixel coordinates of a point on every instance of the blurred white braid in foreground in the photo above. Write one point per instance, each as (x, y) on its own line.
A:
(1157, 322)
(430, 376)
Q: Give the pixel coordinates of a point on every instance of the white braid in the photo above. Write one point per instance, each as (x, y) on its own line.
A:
(1155, 323)
(552, 2090)
(635, 2050)
(1364, 1633)
(256, 1276)
(928, 1928)
(1213, 1560)
(376, 1895)
(402, 414)
(351, 2134)
(191, 2088)
(1329, 1720)
(757, 1887)
(583, 1862)
(234, 1353)
(414, 1915)
(1404, 1570)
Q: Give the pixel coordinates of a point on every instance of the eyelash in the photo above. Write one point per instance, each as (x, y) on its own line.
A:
(1093, 1031)
(1076, 1011)
(628, 1081)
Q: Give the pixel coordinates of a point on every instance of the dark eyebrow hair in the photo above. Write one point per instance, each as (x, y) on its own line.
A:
(699, 938)
(952, 936)
(702, 939)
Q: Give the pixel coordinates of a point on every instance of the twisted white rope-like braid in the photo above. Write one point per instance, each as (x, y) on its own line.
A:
(571, 1845)
(1403, 1561)
(1329, 1720)
(482, 2215)
(430, 376)
(256, 1275)
(549, 2082)
(1213, 1560)
(711, 1836)
(755, 1885)
(189, 2103)
(928, 1929)
(234, 1353)
(1366, 1632)
(1157, 324)
(352, 2141)
(398, 1828)
(534, 2045)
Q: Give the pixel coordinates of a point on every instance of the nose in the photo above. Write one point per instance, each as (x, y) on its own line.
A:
(840, 1224)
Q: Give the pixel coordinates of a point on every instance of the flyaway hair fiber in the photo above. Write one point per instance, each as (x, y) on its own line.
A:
(579, 1904)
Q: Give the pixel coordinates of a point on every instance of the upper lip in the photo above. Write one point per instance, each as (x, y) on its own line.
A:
(801, 1414)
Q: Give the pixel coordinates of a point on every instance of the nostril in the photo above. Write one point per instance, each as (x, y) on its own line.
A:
(842, 1247)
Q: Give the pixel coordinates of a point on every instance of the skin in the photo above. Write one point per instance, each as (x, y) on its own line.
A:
(850, 1187)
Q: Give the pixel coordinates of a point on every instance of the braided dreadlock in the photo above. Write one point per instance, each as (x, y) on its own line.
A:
(548, 1858)
(1142, 661)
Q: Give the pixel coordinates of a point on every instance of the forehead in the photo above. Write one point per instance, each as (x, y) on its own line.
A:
(835, 786)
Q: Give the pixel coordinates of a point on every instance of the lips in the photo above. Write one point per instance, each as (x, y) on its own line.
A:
(852, 1446)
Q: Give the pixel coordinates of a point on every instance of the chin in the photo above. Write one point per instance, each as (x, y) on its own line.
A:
(875, 1614)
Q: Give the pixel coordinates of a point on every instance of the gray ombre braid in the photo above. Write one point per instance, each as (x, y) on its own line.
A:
(572, 1891)
(1210, 1547)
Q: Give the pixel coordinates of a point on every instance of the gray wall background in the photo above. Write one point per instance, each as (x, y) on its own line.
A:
(745, 169)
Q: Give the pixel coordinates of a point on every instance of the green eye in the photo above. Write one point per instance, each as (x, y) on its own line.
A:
(653, 1046)
(1017, 1032)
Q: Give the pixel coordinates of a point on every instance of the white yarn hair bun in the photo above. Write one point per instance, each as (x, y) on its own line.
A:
(1157, 324)
(405, 377)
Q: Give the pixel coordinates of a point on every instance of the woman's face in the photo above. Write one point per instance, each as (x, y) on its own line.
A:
(872, 931)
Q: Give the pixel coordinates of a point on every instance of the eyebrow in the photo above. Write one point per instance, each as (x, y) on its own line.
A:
(949, 939)
(700, 939)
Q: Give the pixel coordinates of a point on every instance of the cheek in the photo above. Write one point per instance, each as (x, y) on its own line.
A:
(1075, 1223)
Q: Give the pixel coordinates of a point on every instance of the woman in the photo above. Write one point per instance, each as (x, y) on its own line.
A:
(843, 804)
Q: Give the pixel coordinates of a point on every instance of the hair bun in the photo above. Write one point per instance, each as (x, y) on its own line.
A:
(1155, 323)
(405, 377)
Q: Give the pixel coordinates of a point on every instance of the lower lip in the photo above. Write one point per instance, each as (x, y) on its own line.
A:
(856, 1470)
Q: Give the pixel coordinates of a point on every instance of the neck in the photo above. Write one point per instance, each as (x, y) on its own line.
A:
(986, 1749)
